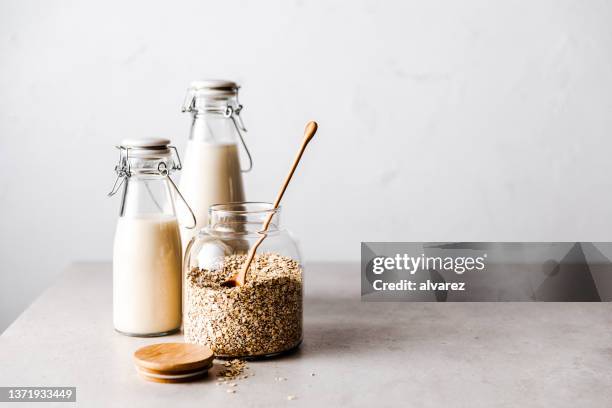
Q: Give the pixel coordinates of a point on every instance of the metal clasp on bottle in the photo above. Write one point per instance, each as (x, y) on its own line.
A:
(234, 114)
(124, 171)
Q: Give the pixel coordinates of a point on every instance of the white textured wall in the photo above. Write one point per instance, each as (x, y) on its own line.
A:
(439, 120)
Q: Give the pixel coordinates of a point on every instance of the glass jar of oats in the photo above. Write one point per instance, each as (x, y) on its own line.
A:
(261, 318)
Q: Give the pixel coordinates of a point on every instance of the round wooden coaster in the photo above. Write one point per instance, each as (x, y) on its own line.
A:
(173, 357)
(164, 378)
(172, 378)
(170, 373)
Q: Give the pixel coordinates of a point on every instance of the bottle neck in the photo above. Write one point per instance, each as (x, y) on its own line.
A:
(212, 128)
(147, 195)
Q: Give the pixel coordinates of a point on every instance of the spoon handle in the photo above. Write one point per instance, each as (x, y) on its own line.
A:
(309, 132)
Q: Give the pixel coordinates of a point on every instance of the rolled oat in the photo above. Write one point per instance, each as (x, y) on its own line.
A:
(262, 317)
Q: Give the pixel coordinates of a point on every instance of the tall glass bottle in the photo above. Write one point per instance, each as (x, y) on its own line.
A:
(211, 173)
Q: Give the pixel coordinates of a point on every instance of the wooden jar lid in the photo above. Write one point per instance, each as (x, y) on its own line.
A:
(173, 361)
(171, 378)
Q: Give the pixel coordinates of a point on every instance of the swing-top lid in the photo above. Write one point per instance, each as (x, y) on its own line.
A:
(147, 147)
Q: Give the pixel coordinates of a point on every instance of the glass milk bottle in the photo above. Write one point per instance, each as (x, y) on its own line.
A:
(147, 254)
(212, 173)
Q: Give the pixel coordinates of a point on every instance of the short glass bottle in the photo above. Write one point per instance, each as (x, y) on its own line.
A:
(147, 264)
(262, 317)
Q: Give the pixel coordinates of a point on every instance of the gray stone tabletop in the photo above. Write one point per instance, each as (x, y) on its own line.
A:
(361, 354)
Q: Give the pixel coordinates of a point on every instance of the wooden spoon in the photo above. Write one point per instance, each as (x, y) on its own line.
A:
(239, 278)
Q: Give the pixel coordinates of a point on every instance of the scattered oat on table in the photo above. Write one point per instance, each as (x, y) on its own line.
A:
(262, 317)
(232, 370)
(291, 397)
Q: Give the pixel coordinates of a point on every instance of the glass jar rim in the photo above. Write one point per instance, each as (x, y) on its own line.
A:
(244, 207)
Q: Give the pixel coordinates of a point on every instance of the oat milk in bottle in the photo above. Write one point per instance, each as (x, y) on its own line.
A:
(211, 173)
(147, 254)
